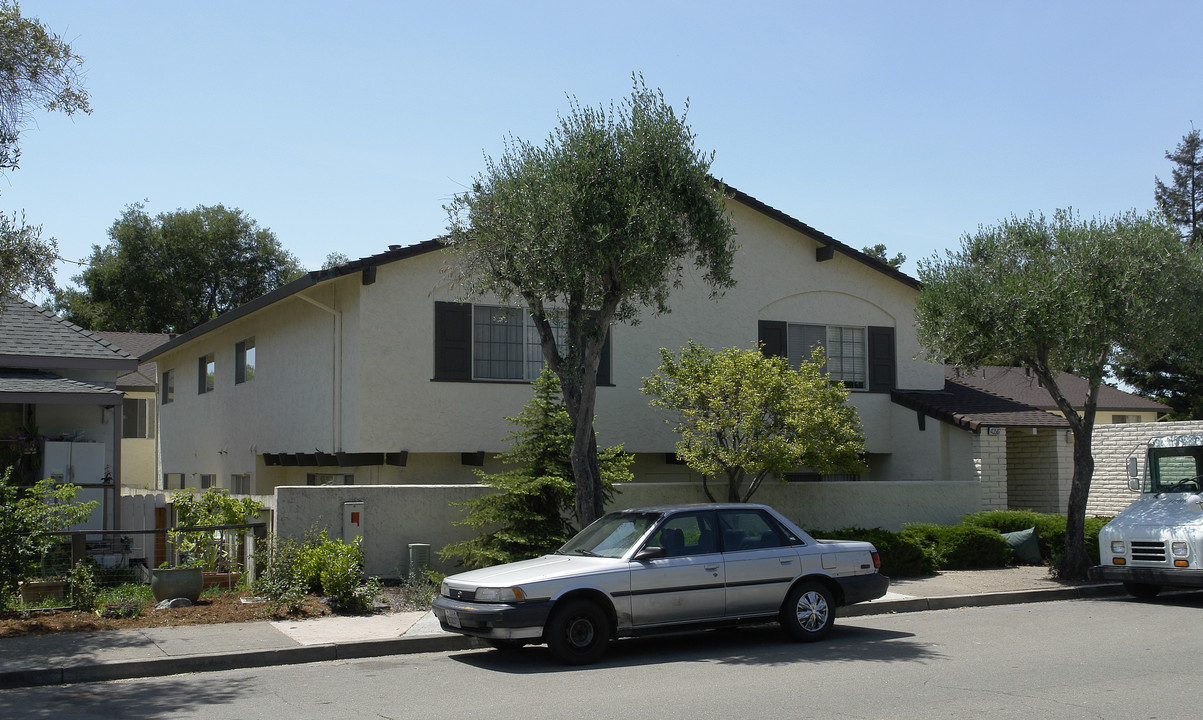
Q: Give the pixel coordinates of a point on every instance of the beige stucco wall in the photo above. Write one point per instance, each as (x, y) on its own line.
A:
(362, 381)
(395, 516)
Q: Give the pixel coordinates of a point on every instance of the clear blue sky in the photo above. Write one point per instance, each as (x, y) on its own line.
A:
(344, 127)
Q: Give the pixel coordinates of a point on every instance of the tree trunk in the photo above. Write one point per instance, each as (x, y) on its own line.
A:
(1077, 560)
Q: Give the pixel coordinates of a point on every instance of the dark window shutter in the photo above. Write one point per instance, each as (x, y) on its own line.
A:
(772, 335)
(452, 341)
(603, 365)
(882, 363)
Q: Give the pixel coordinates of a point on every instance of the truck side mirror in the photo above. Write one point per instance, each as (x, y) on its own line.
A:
(1133, 468)
(1134, 484)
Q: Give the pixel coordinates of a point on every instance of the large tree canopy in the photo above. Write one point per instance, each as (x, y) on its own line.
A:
(38, 71)
(175, 271)
(1059, 295)
(1175, 374)
(741, 414)
(592, 227)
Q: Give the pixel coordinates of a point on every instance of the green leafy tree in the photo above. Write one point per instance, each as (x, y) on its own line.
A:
(529, 515)
(879, 252)
(38, 71)
(175, 271)
(1174, 374)
(592, 227)
(1059, 295)
(742, 415)
(27, 515)
(1181, 201)
(208, 549)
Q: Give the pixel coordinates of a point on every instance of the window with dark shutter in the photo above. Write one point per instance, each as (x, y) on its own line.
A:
(452, 341)
(772, 336)
(882, 363)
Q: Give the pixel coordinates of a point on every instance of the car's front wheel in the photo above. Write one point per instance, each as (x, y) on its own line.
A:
(809, 612)
(577, 632)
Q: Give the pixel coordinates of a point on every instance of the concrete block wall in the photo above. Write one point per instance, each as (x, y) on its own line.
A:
(1033, 469)
(1111, 445)
(990, 464)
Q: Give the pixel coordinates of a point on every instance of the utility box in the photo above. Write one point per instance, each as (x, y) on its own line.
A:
(353, 520)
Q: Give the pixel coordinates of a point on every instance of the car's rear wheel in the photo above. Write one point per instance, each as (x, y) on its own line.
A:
(809, 612)
(577, 632)
(1144, 591)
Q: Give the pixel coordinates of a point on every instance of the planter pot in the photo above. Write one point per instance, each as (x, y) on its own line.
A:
(169, 583)
(34, 591)
(220, 579)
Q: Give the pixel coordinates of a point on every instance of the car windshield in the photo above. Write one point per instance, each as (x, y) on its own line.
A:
(610, 536)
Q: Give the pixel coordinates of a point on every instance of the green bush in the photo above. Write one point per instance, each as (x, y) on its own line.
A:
(960, 547)
(900, 556)
(319, 565)
(280, 581)
(81, 582)
(1050, 529)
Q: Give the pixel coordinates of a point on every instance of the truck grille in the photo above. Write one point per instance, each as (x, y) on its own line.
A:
(1148, 551)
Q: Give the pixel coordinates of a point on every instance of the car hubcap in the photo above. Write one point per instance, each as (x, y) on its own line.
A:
(580, 632)
(812, 611)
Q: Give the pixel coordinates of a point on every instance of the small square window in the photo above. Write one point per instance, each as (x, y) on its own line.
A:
(207, 481)
(206, 373)
(244, 361)
(240, 484)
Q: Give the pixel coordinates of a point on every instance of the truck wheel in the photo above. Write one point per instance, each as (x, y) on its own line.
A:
(1144, 591)
(808, 612)
(577, 632)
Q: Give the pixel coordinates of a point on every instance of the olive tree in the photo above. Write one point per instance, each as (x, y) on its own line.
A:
(1059, 295)
(740, 413)
(589, 228)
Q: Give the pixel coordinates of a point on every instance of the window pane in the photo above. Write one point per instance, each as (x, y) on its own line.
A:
(244, 361)
(497, 342)
(846, 355)
(802, 341)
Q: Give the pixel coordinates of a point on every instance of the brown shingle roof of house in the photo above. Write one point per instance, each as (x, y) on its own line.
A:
(974, 409)
(1023, 386)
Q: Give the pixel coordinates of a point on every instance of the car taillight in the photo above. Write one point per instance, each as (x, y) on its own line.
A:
(876, 561)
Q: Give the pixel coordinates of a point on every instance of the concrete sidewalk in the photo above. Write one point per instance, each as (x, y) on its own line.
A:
(121, 654)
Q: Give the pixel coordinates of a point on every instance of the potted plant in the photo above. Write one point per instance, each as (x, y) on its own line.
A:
(209, 554)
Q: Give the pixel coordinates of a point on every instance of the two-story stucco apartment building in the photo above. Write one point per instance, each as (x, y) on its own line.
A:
(377, 372)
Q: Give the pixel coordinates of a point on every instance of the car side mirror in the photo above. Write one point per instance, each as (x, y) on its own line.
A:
(650, 552)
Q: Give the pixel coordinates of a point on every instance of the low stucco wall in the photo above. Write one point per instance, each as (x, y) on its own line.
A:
(396, 515)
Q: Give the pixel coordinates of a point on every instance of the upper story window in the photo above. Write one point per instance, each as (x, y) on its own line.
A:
(487, 342)
(137, 418)
(845, 347)
(206, 373)
(167, 391)
(861, 357)
(244, 361)
(506, 345)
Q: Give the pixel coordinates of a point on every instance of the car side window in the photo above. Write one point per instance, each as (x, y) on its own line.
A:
(686, 534)
(751, 530)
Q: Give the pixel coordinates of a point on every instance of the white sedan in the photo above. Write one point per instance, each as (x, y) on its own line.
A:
(659, 569)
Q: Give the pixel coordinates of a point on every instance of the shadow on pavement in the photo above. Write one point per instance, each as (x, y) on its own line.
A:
(160, 698)
(756, 646)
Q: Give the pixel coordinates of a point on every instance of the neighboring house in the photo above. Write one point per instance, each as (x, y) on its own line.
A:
(140, 466)
(374, 372)
(1020, 384)
(59, 382)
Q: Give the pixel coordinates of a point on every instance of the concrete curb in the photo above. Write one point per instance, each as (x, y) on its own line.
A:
(1011, 597)
(71, 672)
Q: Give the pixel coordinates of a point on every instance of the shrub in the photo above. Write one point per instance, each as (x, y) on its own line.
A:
(280, 581)
(82, 584)
(1050, 529)
(208, 549)
(900, 556)
(320, 565)
(960, 547)
(26, 516)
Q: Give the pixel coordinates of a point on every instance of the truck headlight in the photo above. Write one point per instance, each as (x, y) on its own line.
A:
(1117, 547)
(1180, 549)
(492, 594)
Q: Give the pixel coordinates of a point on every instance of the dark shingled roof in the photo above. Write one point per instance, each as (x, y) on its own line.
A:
(137, 344)
(31, 336)
(35, 382)
(1022, 385)
(973, 409)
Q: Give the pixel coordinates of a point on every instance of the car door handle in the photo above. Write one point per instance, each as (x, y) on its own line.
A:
(786, 561)
(711, 568)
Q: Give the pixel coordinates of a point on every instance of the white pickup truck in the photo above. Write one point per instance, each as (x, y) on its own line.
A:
(1158, 540)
